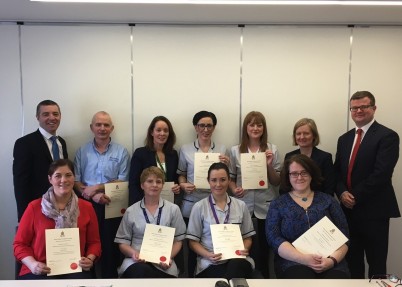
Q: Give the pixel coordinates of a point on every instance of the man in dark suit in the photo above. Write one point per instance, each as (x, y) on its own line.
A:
(33, 155)
(364, 185)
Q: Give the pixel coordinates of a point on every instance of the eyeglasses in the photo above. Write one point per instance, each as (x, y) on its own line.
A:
(205, 126)
(297, 174)
(362, 108)
(390, 277)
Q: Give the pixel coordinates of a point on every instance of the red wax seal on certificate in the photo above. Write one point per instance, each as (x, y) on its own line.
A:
(262, 183)
(238, 252)
(123, 210)
(162, 258)
(73, 266)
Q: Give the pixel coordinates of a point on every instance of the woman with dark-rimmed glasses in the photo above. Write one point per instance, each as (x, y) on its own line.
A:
(296, 211)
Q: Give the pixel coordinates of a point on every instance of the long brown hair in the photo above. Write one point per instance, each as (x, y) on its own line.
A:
(257, 118)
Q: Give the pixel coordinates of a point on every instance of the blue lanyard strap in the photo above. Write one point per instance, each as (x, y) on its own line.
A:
(214, 211)
(158, 220)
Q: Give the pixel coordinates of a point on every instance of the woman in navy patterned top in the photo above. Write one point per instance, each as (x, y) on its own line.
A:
(293, 213)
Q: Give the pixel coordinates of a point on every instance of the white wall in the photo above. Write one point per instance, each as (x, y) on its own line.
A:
(136, 73)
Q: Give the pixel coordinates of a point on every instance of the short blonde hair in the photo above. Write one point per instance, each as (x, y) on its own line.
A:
(312, 126)
(152, 170)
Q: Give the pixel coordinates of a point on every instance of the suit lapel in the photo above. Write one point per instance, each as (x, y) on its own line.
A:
(42, 146)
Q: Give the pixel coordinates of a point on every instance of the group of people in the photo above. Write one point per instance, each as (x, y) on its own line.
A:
(300, 192)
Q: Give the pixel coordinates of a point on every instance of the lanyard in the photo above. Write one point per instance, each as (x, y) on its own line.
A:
(160, 165)
(158, 220)
(214, 212)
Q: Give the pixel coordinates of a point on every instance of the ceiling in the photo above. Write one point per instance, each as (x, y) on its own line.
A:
(24, 10)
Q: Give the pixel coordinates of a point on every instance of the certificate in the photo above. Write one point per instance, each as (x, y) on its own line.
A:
(118, 193)
(226, 239)
(254, 170)
(167, 193)
(322, 239)
(63, 250)
(202, 162)
(157, 243)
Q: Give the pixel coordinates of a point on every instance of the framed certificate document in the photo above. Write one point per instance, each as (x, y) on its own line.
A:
(254, 170)
(157, 243)
(63, 250)
(167, 193)
(118, 193)
(226, 239)
(322, 239)
(202, 162)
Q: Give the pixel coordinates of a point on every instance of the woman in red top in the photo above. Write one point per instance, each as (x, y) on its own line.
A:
(59, 207)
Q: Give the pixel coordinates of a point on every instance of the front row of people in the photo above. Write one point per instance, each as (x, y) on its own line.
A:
(289, 217)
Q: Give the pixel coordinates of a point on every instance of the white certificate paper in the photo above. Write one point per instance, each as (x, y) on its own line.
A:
(254, 170)
(322, 239)
(226, 239)
(167, 193)
(63, 251)
(202, 162)
(118, 193)
(157, 243)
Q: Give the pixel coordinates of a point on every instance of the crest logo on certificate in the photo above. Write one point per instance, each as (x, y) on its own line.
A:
(254, 170)
(323, 239)
(63, 250)
(118, 193)
(202, 162)
(157, 243)
(226, 239)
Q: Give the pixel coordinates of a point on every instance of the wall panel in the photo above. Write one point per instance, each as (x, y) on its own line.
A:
(11, 127)
(180, 70)
(85, 69)
(377, 67)
(296, 72)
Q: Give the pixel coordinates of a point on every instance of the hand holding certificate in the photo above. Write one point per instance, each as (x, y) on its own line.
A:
(157, 243)
(118, 193)
(226, 239)
(254, 170)
(322, 239)
(63, 250)
(202, 162)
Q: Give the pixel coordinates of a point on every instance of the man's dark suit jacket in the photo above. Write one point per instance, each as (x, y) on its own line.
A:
(372, 172)
(30, 168)
(142, 159)
(324, 161)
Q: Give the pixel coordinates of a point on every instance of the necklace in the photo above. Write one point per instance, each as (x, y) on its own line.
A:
(303, 198)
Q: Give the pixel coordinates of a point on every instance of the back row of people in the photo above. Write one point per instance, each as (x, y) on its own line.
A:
(159, 152)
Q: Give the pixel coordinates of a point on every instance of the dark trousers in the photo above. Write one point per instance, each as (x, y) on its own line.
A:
(234, 268)
(264, 249)
(368, 237)
(304, 272)
(191, 256)
(111, 256)
(144, 270)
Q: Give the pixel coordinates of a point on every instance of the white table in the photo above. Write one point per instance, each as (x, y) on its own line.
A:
(187, 282)
(313, 283)
(180, 282)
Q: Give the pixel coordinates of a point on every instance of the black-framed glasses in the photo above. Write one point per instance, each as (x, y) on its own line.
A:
(296, 174)
(362, 108)
(391, 277)
(205, 126)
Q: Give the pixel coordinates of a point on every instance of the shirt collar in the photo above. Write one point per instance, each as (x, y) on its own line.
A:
(45, 133)
(366, 127)
(228, 201)
(161, 203)
(197, 145)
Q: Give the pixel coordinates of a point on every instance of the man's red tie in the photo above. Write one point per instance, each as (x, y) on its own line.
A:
(353, 157)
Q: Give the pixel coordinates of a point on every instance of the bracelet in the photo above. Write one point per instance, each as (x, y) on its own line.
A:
(333, 259)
